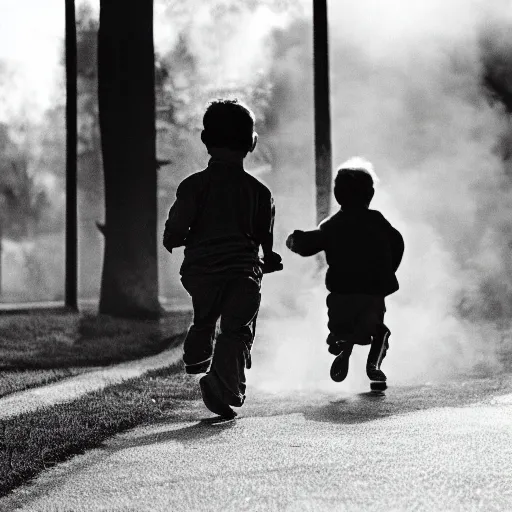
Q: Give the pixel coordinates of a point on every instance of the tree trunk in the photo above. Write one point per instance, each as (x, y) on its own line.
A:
(323, 151)
(126, 90)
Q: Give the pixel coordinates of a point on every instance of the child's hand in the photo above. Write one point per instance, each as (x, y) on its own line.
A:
(291, 241)
(272, 263)
(306, 243)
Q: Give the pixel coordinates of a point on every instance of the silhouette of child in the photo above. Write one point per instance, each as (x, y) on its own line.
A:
(363, 252)
(223, 215)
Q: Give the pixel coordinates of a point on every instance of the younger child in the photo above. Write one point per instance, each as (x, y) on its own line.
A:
(363, 252)
(222, 215)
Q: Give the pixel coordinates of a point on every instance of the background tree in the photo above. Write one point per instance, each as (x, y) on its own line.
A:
(30, 211)
(126, 89)
(23, 201)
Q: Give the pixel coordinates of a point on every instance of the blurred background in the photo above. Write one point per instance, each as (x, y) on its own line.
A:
(203, 50)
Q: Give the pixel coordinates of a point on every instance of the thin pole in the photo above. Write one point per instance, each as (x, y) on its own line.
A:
(323, 149)
(71, 158)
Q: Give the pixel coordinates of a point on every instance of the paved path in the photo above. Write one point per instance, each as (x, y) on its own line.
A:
(426, 447)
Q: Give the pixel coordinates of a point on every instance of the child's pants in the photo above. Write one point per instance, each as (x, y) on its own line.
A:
(354, 318)
(236, 302)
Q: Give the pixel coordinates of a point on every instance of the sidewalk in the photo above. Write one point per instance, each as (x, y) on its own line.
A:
(306, 453)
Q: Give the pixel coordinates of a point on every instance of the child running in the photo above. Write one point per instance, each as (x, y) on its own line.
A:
(223, 215)
(363, 252)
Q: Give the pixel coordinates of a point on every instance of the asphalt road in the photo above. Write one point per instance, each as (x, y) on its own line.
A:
(444, 446)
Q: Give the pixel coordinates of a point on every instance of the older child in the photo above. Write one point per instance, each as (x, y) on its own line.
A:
(223, 215)
(363, 252)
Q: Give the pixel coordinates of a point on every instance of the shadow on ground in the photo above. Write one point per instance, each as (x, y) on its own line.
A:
(370, 406)
(204, 429)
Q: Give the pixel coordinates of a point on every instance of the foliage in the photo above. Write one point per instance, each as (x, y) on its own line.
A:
(89, 140)
(23, 201)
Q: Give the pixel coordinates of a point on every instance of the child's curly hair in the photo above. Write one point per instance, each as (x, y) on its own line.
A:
(353, 185)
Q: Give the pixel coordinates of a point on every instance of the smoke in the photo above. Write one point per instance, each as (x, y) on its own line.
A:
(407, 85)
(229, 43)
(408, 93)
(412, 100)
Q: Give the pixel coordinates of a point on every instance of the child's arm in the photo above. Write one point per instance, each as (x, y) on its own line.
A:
(265, 224)
(272, 261)
(306, 243)
(397, 247)
(181, 216)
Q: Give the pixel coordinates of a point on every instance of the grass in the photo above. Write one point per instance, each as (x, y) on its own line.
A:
(37, 349)
(30, 443)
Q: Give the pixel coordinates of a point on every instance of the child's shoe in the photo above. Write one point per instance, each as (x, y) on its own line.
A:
(378, 350)
(375, 374)
(339, 367)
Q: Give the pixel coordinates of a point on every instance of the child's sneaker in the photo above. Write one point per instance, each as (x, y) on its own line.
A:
(378, 350)
(339, 367)
(375, 374)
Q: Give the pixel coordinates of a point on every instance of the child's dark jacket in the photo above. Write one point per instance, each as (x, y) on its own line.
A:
(362, 249)
(222, 215)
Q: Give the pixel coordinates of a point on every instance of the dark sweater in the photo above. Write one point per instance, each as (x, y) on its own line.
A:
(363, 251)
(221, 215)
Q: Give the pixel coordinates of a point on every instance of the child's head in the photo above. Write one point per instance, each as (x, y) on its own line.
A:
(229, 124)
(353, 185)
